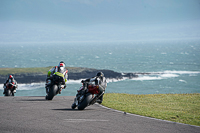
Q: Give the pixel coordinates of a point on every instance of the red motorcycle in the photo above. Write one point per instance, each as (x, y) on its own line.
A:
(10, 89)
(87, 95)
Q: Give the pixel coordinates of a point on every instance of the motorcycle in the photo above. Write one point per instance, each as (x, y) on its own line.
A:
(9, 89)
(87, 95)
(55, 84)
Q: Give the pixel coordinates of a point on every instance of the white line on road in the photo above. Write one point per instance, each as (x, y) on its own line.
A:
(84, 120)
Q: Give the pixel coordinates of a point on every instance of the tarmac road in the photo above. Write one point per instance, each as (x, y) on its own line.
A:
(36, 115)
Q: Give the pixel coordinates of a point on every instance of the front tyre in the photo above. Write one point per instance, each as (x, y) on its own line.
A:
(52, 92)
(85, 102)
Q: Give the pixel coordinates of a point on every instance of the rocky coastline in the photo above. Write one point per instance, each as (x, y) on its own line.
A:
(73, 74)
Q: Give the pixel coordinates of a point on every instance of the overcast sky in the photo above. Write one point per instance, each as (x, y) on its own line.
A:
(98, 20)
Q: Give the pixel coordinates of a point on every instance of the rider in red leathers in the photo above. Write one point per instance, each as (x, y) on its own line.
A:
(13, 81)
(100, 81)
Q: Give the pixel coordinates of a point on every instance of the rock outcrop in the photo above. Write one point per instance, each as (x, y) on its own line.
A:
(73, 74)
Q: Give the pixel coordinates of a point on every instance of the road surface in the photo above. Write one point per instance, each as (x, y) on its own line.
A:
(36, 115)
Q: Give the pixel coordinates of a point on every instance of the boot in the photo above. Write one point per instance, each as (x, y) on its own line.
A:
(100, 99)
(4, 91)
(47, 89)
(60, 91)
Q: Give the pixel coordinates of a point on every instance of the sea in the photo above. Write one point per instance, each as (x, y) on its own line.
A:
(174, 65)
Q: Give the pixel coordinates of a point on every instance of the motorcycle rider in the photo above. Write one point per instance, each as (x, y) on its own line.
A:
(13, 81)
(99, 80)
(60, 68)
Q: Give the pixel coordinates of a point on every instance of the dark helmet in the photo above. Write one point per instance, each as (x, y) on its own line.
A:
(100, 74)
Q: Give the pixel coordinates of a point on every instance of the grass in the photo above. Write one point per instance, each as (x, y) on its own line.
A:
(42, 70)
(6, 71)
(182, 108)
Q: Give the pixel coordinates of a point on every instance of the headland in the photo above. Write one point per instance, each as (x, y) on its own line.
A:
(35, 75)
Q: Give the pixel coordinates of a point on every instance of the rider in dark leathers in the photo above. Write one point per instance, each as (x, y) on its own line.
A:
(11, 80)
(99, 80)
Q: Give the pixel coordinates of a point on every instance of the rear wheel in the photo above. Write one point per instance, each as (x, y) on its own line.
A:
(8, 92)
(85, 102)
(52, 92)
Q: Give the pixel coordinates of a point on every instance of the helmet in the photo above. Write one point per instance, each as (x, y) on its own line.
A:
(61, 64)
(100, 74)
(10, 77)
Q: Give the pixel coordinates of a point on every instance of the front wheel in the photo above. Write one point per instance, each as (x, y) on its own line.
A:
(52, 92)
(85, 102)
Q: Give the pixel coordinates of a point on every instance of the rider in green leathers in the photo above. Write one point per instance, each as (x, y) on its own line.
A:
(59, 70)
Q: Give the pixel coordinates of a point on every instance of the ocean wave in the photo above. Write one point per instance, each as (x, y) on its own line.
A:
(109, 80)
(156, 75)
(181, 72)
(165, 75)
(183, 81)
(141, 78)
(74, 81)
(31, 86)
(168, 75)
(40, 85)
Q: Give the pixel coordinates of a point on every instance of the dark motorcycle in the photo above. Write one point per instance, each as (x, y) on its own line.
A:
(87, 95)
(55, 84)
(9, 90)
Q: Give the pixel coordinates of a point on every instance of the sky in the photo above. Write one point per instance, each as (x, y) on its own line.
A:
(98, 20)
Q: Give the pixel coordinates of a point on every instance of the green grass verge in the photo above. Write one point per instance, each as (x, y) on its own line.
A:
(182, 108)
(42, 70)
(6, 71)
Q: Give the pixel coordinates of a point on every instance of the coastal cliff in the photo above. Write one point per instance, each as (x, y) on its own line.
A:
(74, 73)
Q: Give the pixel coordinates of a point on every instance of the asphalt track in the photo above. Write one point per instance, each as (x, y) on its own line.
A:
(36, 115)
